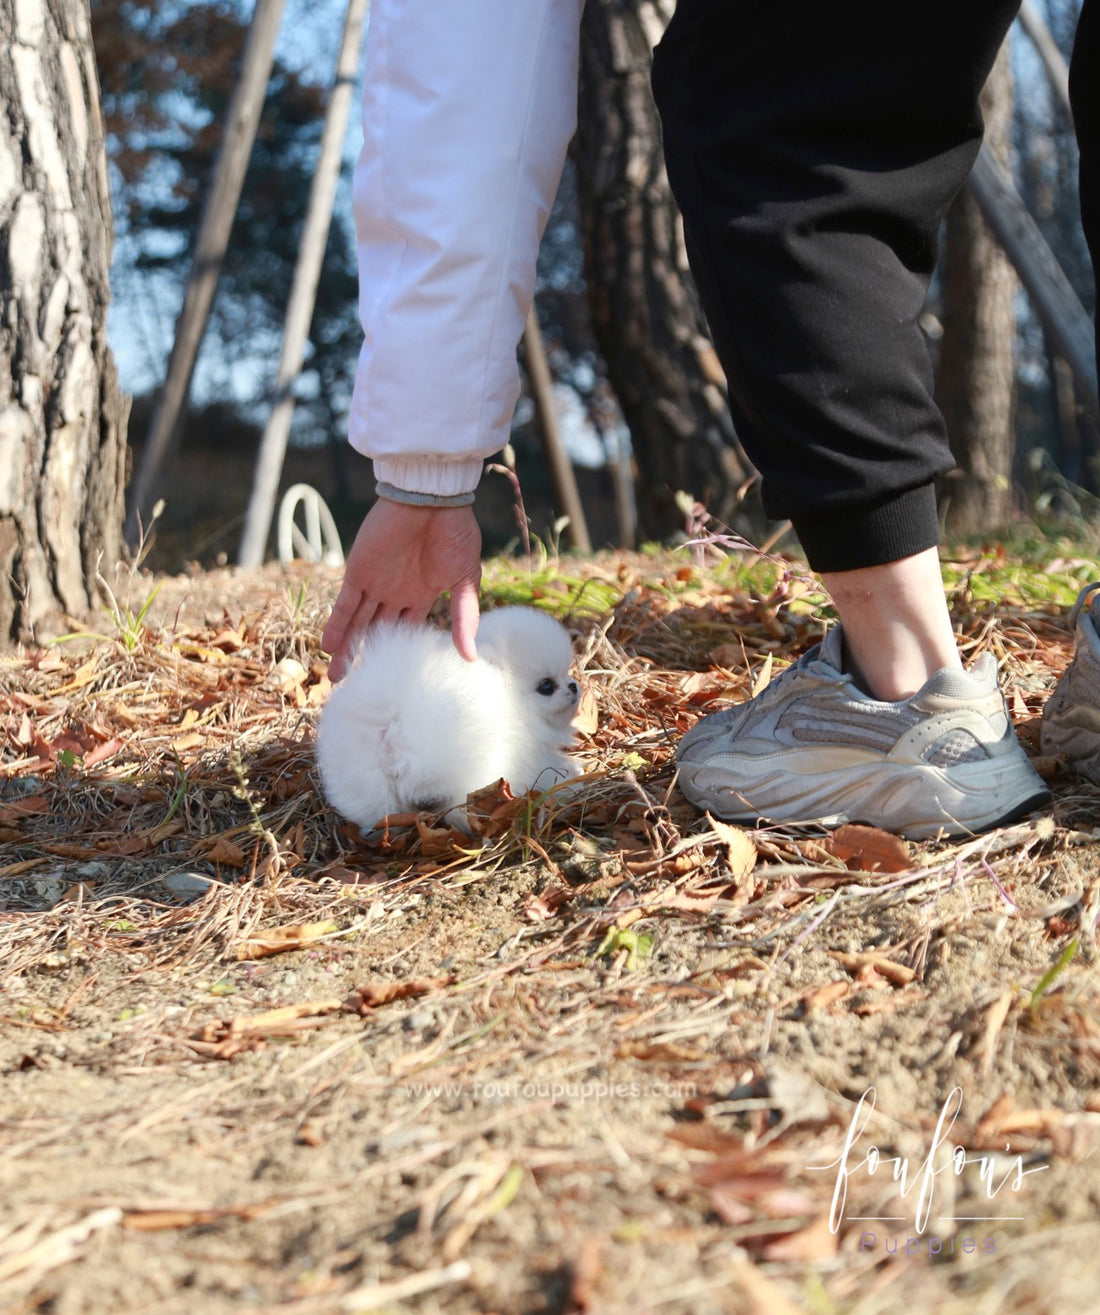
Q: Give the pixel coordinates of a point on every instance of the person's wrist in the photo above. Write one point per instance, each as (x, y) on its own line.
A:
(412, 498)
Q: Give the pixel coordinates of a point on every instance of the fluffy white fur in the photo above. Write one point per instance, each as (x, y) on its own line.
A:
(414, 726)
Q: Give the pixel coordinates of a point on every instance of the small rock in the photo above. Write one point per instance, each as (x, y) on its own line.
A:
(25, 785)
(419, 1019)
(49, 889)
(401, 1138)
(188, 885)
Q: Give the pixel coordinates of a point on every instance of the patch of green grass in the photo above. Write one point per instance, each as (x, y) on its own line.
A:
(1016, 585)
(181, 791)
(637, 944)
(547, 584)
(1053, 973)
(1025, 567)
(129, 626)
(297, 602)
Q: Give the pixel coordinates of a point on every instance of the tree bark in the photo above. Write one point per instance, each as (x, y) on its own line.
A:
(976, 381)
(62, 419)
(646, 312)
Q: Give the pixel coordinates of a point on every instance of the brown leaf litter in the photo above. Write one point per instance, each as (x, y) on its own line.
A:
(589, 1056)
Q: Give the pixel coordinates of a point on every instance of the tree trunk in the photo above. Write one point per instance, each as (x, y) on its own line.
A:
(303, 293)
(62, 419)
(646, 312)
(242, 120)
(976, 381)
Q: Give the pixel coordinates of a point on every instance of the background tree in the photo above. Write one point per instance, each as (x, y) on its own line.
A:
(62, 420)
(976, 378)
(168, 73)
(1058, 438)
(646, 312)
(625, 322)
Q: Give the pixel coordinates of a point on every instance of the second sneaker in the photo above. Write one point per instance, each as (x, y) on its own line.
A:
(1071, 718)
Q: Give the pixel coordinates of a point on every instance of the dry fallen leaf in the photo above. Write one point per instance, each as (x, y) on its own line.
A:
(701, 688)
(730, 655)
(868, 849)
(318, 692)
(220, 849)
(587, 720)
(365, 998)
(815, 1242)
(679, 897)
(291, 937)
(898, 974)
(222, 1039)
(740, 848)
(823, 996)
(708, 1137)
(141, 842)
(539, 908)
(25, 807)
(584, 1273)
(103, 751)
(352, 877)
(491, 810)
(1003, 1127)
(437, 841)
(65, 849)
(763, 677)
(661, 1052)
(229, 641)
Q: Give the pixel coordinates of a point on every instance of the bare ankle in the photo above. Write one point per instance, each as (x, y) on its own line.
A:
(897, 629)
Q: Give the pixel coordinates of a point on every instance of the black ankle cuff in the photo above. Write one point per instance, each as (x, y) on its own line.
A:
(887, 531)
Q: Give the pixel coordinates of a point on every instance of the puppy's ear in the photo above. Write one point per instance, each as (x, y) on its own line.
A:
(492, 658)
(496, 649)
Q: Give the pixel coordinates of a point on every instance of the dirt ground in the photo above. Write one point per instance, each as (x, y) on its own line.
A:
(606, 1056)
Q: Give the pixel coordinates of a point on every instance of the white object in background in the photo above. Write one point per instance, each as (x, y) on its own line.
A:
(319, 540)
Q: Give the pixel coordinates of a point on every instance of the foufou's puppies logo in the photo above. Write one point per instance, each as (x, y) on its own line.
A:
(919, 1181)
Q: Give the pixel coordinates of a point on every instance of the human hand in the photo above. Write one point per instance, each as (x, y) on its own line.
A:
(402, 559)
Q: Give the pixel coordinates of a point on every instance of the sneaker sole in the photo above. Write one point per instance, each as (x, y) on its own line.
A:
(969, 798)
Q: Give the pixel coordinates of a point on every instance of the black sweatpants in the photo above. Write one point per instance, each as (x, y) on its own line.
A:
(813, 149)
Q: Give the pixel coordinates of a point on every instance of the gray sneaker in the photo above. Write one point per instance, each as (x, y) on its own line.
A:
(812, 747)
(1071, 718)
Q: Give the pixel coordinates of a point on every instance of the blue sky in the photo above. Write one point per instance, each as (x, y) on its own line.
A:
(144, 311)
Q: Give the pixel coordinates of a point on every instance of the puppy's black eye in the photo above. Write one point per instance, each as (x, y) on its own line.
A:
(546, 686)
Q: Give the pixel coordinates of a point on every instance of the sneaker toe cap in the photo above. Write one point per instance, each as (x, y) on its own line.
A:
(697, 747)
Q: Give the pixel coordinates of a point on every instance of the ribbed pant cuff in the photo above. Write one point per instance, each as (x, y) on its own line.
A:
(871, 536)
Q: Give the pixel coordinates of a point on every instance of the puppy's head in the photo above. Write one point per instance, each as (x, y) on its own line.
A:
(536, 652)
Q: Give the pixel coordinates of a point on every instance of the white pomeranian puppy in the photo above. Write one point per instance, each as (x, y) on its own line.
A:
(413, 726)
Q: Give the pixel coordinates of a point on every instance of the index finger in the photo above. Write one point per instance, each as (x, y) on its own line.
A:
(351, 614)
